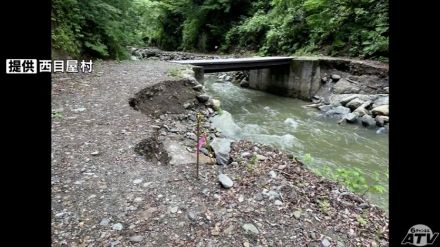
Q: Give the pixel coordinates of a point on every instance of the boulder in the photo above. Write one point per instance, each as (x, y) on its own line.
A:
(354, 104)
(343, 87)
(368, 121)
(381, 100)
(381, 120)
(222, 147)
(202, 98)
(335, 77)
(381, 110)
(339, 110)
(351, 117)
(325, 108)
(244, 83)
(214, 104)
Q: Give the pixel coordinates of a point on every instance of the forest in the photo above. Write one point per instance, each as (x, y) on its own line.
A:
(105, 28)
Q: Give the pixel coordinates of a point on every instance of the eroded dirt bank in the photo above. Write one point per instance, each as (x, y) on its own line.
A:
(109, 189)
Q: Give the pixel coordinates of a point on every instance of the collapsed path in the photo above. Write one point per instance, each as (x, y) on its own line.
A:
(105, 194)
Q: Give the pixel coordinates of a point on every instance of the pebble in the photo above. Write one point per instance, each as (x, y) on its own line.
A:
(117, 227)
(95, 153)
(297, 214)
(261, 157)
(272, 174)
(246, 244)
(225, 181)
(325, 242)
(104, 222)
(278, 202)
(137, 238)
(137, 181)
(250, 228)
(173, 210)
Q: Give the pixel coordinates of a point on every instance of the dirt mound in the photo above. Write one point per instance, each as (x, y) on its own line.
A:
(164, 97)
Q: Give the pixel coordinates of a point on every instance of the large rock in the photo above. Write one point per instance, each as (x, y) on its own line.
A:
(244, 83)
(381, 100)
(225, 123)
(214, 104)
(250, 228)
(351, 117)
(354, 104)
(225, 181)
(325, 108)
(381, 110)
(343, 86)
(202, 98)
(368, 121)
(222, 147)
(339, 110)
(381, 120)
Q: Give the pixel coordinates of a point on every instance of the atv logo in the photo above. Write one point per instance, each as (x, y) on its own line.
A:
(420, 235)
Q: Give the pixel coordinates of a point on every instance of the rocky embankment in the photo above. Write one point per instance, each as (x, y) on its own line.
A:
(157, 54)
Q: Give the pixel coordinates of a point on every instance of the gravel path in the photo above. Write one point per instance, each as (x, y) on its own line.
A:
(94, 168)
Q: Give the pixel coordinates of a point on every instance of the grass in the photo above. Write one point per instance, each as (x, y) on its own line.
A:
(175, 72)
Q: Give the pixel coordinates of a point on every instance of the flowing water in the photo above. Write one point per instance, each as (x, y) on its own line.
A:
(286, 124)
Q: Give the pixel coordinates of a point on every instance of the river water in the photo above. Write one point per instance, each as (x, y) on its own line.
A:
(286, 124)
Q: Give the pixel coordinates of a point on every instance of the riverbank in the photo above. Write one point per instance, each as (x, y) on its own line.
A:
(124, 173)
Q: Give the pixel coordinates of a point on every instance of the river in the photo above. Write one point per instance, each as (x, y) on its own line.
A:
(286, 124)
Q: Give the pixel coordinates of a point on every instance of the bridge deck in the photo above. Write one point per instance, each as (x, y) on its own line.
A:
(233, 64)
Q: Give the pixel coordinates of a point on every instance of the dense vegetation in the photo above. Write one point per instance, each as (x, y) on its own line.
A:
(103, 28)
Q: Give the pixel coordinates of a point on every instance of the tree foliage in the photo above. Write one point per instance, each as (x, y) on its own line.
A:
(104, 28)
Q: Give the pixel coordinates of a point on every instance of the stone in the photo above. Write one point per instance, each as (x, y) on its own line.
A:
(335, 77)
(174, 209)
(261, 157)
(191, 136)
(381, 120)
(187, 105)
(386, 89)
(205, 151)
(246, 244)
(136, 238)
(245, 155)
(95, 153)
(203, 98)
(222, 147)
(361, 111)
(225, 181)
(297, 214)
(250, 228)
(354, 104)
(214, 103)
(325, 108)
(278, 203)
(117, 227)
(382, 100)
(382, 131)
(272, 195)
(340, 110)
(244, 83)
(325, 242)
(368, 121)
(381, 110)
(104, 222)
(272, 174)
(198, 87)
(345, 87)
(226, 124)
(351, 117)
(137, 181)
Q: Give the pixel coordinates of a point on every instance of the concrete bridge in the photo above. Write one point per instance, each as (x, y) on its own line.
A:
(236, 64)
(297, 77)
